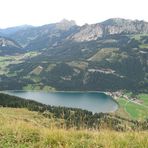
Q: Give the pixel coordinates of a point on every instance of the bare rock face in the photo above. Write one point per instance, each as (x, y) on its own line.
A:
(65, 24)
(108, 27)
(88, 33)
(118, 26)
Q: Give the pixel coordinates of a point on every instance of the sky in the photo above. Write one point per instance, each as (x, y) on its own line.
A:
(40, 12)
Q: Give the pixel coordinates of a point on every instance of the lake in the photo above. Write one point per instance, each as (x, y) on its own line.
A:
(92, 101)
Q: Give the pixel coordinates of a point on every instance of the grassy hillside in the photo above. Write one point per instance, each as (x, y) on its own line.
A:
(131, 109)
(78, 118)
(20, 128)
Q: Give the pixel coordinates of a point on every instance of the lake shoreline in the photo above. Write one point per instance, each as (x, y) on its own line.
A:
(90, 95)
(71, 91)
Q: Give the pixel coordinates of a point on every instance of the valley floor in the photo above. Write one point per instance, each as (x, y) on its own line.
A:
(20, 128)
(135, 108)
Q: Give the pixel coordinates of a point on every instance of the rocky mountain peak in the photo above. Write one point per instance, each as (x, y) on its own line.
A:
(65, 24)
(65, 21)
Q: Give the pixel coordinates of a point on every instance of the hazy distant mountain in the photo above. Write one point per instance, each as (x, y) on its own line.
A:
(9, 46)
(11, 30)
(50, 34)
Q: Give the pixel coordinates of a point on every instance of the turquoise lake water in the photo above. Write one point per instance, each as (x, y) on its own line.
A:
(92, 101)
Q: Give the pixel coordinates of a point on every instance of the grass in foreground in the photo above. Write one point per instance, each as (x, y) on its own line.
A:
(20, 128)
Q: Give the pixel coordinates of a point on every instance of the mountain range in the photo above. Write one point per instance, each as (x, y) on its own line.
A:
(108, 56)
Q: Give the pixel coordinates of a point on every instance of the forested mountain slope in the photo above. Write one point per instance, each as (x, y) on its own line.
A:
(106, 56)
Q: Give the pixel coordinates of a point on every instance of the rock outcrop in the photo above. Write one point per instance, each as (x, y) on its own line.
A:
(109, 27)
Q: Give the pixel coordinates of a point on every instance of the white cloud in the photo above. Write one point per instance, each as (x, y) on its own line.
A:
(38, 12)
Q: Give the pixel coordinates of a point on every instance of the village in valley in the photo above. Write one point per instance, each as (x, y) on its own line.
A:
(131, 105)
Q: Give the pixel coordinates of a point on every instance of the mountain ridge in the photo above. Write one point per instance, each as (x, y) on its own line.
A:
(69, 30)
(74, 22)
(110, 26)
